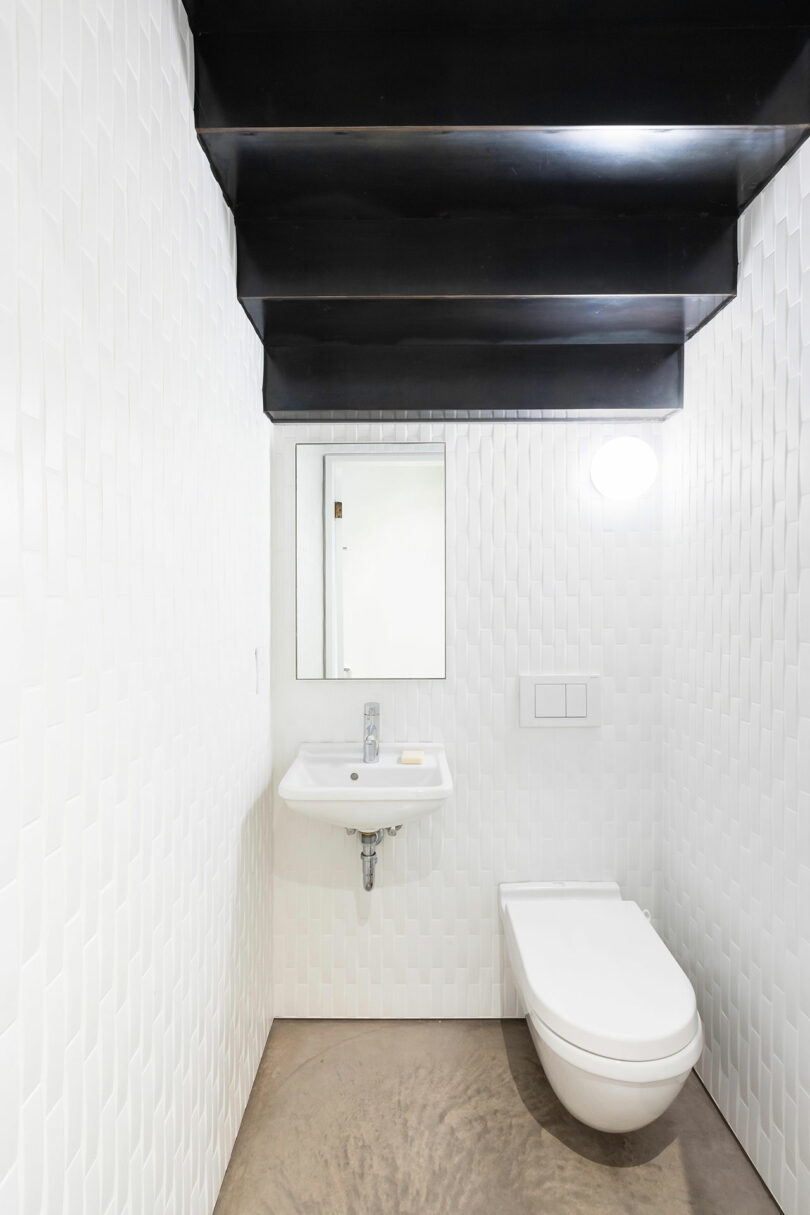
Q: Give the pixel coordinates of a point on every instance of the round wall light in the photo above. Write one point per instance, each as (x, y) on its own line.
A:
(624, 468)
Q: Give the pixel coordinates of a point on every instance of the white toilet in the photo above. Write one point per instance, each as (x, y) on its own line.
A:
(611, 1013)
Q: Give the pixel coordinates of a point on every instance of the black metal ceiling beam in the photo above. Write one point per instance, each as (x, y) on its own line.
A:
(443, 380)
(526, 171)
(544, 320)
(583, 76)
(433, 15)
(445, 258)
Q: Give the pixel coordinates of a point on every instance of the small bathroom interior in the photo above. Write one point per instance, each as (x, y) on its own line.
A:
(405, 607)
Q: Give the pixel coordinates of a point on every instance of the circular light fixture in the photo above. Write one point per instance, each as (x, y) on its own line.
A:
(624, 468)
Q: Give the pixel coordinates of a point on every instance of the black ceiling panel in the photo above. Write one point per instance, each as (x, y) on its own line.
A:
(475, 257)
(526, 172)
(463, 209)
(545, 320)
(580, 77)
(442, 378)
(460, 15)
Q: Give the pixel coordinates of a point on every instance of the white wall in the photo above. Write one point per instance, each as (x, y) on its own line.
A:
(543, 575)
(134, 589)
(736, 812)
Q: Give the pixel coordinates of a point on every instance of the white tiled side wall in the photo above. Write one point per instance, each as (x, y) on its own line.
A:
(736, 813)
(543, 575)
(134, 590)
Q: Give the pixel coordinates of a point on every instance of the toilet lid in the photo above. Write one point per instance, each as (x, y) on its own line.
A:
(596, 972)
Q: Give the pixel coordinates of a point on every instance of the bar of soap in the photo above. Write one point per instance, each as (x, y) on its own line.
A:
(412, 757)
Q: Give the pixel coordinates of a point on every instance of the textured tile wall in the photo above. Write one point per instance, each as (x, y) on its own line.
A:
(134, 590)
(735, 893)
(543, 575)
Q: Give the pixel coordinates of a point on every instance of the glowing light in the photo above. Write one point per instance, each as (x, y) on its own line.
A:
(624, 469)
(616, 139)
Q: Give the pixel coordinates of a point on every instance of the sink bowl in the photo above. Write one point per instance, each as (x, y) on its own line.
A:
(329, 781)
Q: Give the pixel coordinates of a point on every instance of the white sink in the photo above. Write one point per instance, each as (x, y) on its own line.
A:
(329, 781)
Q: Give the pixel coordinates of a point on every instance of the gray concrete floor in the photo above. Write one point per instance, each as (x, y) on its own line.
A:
(457, 1118)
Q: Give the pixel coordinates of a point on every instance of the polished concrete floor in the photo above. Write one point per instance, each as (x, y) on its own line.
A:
(456, 1118)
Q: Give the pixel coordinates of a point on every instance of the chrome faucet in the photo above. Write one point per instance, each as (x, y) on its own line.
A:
(371, 737)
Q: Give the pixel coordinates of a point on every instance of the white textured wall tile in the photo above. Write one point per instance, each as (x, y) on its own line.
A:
(735, 845)
(134, 594)
(543, 575)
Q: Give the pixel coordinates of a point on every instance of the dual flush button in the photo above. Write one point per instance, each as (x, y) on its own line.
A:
(560, 700)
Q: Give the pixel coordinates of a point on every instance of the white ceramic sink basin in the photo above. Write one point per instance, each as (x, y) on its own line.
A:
(329, 781)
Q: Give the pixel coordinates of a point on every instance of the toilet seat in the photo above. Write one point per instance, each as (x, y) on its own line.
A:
(597, 975)
(648, 1071)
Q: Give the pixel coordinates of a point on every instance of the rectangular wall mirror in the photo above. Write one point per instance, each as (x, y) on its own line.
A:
(370, 560)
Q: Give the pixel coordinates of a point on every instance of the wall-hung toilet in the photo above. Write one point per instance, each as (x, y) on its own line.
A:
(611, 1013)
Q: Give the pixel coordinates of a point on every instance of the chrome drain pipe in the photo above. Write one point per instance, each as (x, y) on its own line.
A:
(368, 853)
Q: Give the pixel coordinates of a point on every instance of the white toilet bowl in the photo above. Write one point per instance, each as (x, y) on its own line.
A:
(612, 1015)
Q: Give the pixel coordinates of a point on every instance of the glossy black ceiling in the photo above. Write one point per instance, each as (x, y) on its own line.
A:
(460, 15)
(374, 174)
(426, 321)
(572, 77)
(463, 210)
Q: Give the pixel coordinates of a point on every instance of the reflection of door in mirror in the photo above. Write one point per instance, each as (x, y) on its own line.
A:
(383, 565)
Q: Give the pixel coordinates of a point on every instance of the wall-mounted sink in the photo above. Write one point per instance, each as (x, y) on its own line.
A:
(330, 782)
